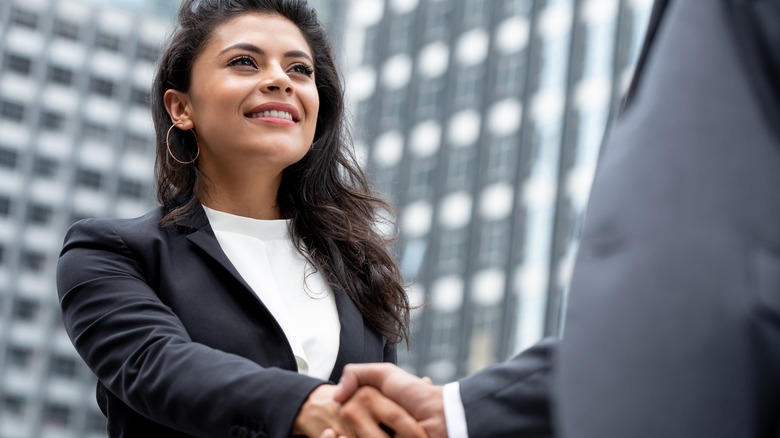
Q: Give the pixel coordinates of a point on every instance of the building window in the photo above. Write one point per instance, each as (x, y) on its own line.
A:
(52, 121)
(18, 64)
(444, 344)
(452, 251)
(493, 243)
(12, 111)
(62, 366)
(421, 175)
(475, 12)
(430, 97)
(108, 42)
(501, 159)
(56, 415)
(510, 75)
(413, 258)
(5, 206)
(25, 309)
(89, 178)
(95, 132)
(14, 405)
(45, 167)
(66, 29)
(147, 53)
(137, 143)
(2, 255)
(19, 357)
(131, 189)
(363, 110)
(60, 75)
(33, 260)
(24, 18)
(392, 109)
(468, 87)
(485, 332)
(517, 7)
(386, 178)
(371, 45)
(461, 168)
(9, 158)
(101, 87)
(401, 32)
(38, 214)
(139, 97)
(439, 20)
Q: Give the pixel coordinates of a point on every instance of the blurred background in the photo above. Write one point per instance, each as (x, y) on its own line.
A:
(481, 120)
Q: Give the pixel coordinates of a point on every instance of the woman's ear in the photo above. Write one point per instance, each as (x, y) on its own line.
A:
(178, 106)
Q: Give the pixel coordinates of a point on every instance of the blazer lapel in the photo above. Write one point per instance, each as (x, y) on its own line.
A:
(352, 334)
(203, 237)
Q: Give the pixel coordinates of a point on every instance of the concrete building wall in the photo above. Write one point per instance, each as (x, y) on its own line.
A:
(75, 141)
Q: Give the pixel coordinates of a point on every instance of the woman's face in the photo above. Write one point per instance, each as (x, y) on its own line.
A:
(253, 98)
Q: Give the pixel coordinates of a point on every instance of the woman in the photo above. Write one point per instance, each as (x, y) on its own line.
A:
(223, 312)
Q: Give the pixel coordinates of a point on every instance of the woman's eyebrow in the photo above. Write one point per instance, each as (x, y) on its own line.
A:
(253, 48)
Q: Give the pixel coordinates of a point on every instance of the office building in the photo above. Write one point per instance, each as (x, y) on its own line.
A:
(482, 121)
(75, 141)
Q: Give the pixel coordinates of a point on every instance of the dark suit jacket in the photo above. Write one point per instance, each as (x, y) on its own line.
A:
(673, 320)
(180, 344)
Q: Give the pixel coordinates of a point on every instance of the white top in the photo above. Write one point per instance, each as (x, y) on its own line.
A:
(297, 296)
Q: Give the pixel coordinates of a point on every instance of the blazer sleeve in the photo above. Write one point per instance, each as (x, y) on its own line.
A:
(141, 352)
(512, 398)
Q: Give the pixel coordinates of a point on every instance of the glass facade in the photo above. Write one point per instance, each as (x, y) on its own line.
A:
(482, 122)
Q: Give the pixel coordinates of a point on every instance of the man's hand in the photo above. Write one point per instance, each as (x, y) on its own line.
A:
(322, 416)
(368, 408)
(416, 395)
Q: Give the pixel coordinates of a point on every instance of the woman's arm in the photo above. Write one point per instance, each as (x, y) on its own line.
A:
(141, 352)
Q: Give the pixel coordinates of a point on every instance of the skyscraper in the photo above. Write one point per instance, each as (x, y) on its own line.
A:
(482, 121)
(76, 140)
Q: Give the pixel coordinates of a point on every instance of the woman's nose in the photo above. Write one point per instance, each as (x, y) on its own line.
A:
(276, 79)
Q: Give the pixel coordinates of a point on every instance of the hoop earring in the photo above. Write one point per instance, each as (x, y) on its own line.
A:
(168, 146)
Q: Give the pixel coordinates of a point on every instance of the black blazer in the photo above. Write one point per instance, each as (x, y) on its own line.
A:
(180, 344)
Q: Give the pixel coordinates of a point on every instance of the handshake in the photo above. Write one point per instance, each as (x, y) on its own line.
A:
(369, 400)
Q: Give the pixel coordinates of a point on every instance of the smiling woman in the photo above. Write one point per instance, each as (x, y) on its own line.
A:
(226, 311)
(253, 103)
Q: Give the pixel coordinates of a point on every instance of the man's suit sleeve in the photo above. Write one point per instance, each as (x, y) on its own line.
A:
(141, 352)
(511, 399)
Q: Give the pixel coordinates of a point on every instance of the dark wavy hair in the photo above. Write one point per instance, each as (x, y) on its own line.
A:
(325, 194)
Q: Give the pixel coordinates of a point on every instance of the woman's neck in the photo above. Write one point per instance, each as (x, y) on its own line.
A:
(254, 197)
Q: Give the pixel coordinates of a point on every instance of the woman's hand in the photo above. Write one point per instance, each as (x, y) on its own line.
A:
(320, 412)
(360, 416)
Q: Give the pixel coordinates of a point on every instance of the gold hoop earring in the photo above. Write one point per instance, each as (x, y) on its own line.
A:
(168, 146)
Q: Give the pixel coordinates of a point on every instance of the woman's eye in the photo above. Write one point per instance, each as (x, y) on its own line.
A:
(303, 69)
(243, 61)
